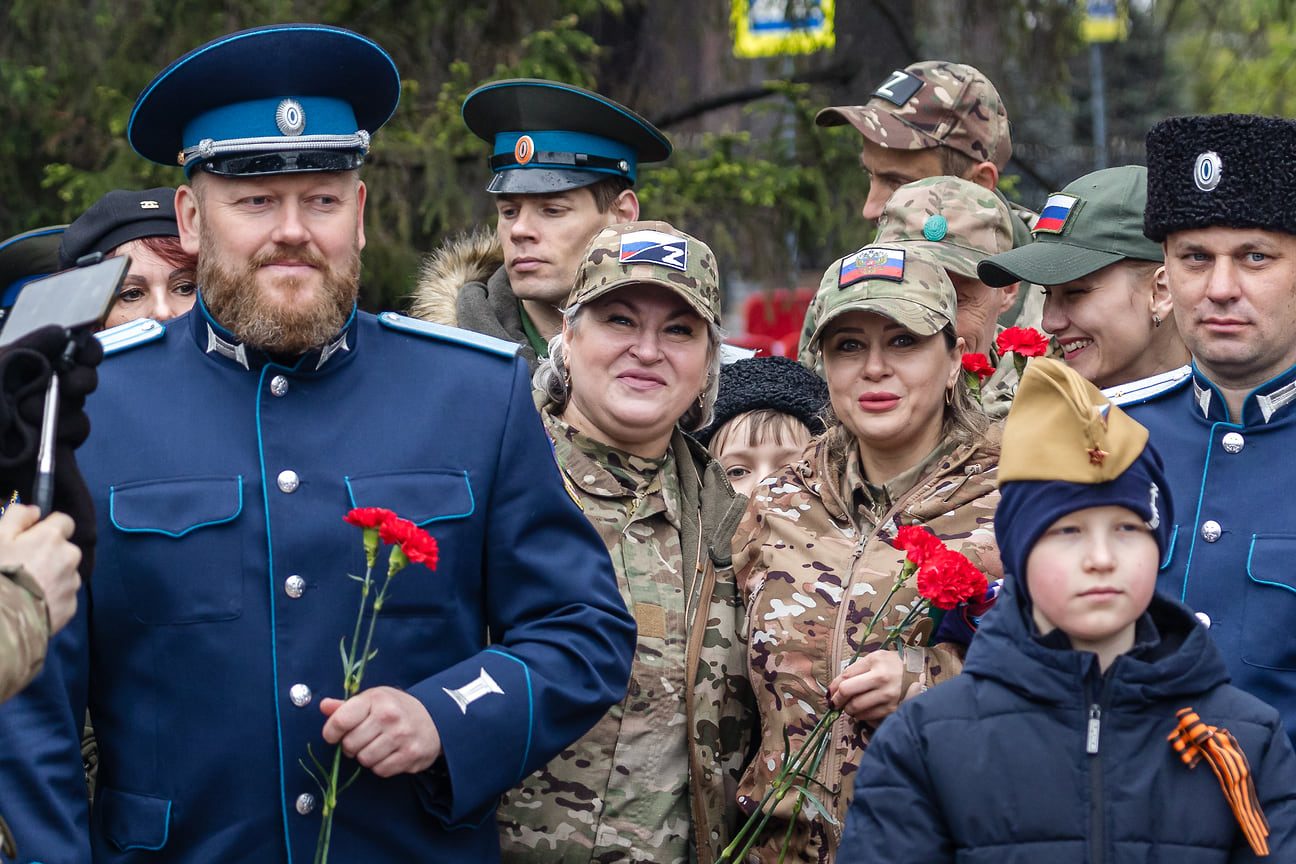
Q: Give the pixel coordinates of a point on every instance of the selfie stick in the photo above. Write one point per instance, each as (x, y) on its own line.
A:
(43, 491)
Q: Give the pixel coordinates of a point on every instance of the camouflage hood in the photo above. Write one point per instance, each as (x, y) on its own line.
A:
(463, 260)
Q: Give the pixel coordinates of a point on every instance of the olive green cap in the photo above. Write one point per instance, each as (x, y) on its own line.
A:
(958, 222)
(898, 282)
(1095, 221)
(650, 253)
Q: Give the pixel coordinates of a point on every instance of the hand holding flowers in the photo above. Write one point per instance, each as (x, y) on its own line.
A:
(381, 743)
(945, 578)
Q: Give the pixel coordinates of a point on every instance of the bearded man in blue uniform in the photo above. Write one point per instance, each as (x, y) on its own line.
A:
(1220, 199)
(227, 447)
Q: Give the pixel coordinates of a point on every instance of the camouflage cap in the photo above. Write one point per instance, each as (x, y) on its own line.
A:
(930, 103)
(902, 283)
(959, 223)
(650, 253)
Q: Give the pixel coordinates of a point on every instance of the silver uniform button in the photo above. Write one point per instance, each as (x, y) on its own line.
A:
(1211, 531)
(278, 385)
(300, 695)
(294, 586)
(305, 803)
(1204, 619)
(1234, 442)
(288, 481)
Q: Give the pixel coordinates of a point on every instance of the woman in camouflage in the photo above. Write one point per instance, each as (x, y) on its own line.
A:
(813, 554)
(637, 362)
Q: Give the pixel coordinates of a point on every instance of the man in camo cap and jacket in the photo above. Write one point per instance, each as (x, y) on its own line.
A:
(932, 118)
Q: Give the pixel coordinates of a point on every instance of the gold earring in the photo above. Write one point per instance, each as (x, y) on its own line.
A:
(949, 395)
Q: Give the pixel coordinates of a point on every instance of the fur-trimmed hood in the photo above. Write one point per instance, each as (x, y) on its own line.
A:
(465, 259)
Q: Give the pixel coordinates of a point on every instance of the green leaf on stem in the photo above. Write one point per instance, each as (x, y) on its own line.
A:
(816, 804)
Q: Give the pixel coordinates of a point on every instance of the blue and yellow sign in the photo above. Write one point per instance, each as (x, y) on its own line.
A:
(766, 28)
(1106, 21)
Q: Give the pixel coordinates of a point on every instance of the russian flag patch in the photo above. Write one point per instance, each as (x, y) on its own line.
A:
(872, 263)
(1057, 210)
(654, 247)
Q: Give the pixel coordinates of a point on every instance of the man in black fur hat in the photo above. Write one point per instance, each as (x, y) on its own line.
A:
(1222, 201)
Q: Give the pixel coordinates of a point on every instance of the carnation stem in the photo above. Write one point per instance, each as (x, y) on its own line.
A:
(350, 685)
(812, 746)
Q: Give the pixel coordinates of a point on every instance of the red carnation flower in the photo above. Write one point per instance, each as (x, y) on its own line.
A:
(948, 578)
(396, 530)
(978, 365)
(918, 543)
(1025, 341)
(369, 517)
(421, 548)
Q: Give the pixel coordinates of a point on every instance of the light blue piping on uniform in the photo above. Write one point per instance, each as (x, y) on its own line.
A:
(1252, 577)
(1174, 535)
(274, 645)
(522, 772)
(112, 516)
(472, 501)
(1201, 490)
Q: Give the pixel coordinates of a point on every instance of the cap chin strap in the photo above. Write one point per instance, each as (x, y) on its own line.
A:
(556, 159)
(208, 148)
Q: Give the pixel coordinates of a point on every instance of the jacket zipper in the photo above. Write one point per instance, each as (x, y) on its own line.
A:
(1093, 740)
(832, 765)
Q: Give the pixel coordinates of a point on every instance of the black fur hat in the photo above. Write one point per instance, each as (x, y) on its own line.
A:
(1228, 170)
(778, 383)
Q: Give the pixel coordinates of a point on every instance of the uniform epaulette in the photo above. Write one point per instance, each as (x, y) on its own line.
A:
(448, 334)
(129, 335)
(1134, 392)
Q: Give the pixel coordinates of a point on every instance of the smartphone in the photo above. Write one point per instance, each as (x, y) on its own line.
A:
(76, 298)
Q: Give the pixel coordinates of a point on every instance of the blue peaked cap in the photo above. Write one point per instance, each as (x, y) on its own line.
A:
(549, 136)
(270, 100)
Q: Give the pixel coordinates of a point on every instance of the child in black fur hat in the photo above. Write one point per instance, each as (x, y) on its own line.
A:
(767, 412)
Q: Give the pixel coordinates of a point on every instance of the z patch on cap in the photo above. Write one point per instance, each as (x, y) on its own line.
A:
(872, 263)
(654, 247)
(1057, 211)
(899, 87)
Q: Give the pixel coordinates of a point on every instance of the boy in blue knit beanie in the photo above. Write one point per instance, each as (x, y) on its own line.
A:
(1094, 714)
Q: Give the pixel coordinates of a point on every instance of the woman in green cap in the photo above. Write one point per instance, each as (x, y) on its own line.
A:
(1106, 303)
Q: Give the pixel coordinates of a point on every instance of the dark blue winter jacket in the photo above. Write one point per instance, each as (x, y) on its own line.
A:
(1033, 755)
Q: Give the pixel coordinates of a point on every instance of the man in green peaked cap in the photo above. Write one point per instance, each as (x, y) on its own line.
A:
(564, 165)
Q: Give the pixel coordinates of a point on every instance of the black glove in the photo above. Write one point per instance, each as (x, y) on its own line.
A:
(25, 368)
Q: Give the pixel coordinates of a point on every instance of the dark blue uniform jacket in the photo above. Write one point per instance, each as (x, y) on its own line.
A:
(1000, 765)
(215, 484)
(1234, 553)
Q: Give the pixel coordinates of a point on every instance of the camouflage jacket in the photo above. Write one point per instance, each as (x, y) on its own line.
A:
(811, 566)
(464, 284)
(616, 794)
(24, 632)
